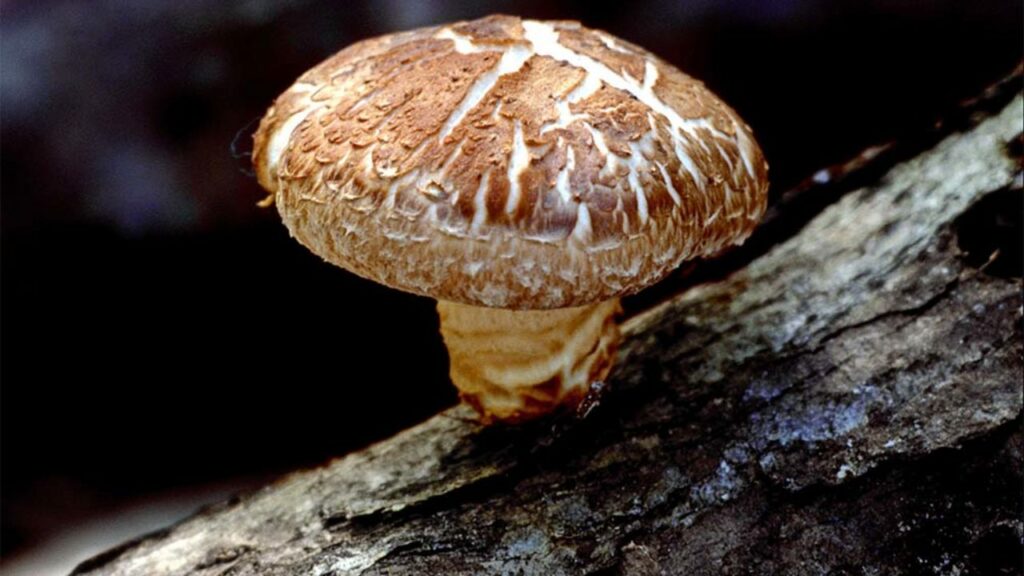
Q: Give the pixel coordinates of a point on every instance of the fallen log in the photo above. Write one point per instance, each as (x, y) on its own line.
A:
(847, 400)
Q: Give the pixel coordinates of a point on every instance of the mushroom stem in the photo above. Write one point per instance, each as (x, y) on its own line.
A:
(517, 365)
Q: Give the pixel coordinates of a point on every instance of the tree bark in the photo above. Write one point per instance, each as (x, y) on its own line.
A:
(846, 401)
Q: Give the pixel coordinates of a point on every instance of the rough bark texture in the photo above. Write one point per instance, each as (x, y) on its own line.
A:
(848, 402)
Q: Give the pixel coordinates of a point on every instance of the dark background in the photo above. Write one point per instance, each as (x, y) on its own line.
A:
(161, 334)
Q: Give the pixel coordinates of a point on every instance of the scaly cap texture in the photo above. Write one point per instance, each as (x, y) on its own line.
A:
(508, 163)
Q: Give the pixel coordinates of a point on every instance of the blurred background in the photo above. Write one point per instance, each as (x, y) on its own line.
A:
(165, 344)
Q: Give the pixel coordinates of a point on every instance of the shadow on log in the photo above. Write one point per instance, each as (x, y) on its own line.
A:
(846, 402)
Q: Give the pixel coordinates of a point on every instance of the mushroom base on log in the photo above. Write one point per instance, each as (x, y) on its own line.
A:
(848, 401)
(513, 365)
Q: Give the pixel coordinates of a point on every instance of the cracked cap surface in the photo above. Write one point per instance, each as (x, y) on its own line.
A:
(508, 163)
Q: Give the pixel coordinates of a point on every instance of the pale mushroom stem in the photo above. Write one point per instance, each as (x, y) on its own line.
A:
(516, 365)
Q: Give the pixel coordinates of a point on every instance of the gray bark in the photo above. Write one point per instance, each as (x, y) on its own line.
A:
(847, 402)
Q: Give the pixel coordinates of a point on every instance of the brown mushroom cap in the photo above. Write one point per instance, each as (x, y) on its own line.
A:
(509, 163)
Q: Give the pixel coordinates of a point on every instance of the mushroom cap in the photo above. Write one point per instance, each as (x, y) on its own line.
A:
(508, 163)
